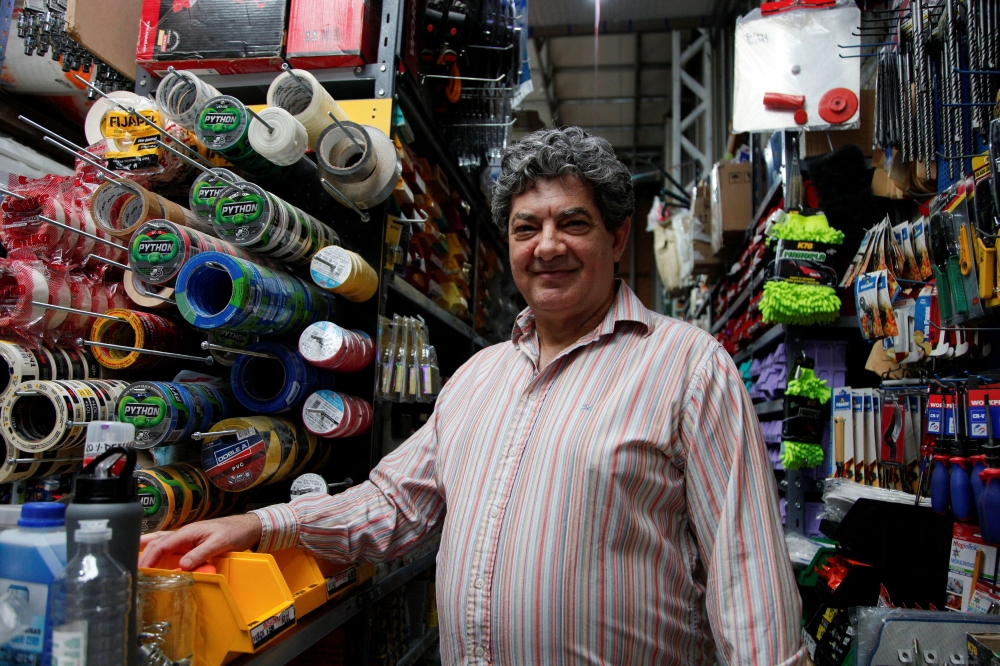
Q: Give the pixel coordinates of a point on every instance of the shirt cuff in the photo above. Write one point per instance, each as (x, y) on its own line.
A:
(800, 658)
(279, 528)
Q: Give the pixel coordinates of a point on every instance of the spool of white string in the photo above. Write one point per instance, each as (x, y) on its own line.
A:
(181, 95)
(286, 144)
(309, 108)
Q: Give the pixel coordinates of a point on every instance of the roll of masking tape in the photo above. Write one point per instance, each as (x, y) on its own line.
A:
(141, 293)
(306, 100)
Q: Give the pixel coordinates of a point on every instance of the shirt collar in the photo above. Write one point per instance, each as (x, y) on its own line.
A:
(626, 307)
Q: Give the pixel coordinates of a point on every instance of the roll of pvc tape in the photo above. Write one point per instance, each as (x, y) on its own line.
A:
(140, 293)
(160, 412)
(271, 386)
(326, 345)
(309, 108)
(253, 456)
(225, 337)
(308, 483)
(344, 272)
(181, 95)
(223, 126)
(215, 290)
(330, 414)
(20, 284)
(143, 330)
(285, 143)
(205, 189)
(157, 497)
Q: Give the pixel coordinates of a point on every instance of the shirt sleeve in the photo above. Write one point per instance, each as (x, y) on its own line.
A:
(751, 598)
(397, 508)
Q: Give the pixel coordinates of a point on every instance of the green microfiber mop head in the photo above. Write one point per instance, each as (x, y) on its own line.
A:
(798, 455)
(809, 385)
(812, 228)
(799, 304)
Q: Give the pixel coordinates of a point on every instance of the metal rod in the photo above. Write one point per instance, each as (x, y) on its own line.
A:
(109, 261)
(87, 234)
(217, 433)
(318, 339)
(13, 194)
(162, 298)
(56, 136)
(207, 360)
(76, 311)
(198, 165)
(323, 414)
(969, 104)
(253, 114)
(124, 108)
(990, 72)
(206, 345)
(861, 46)
(104, 170)
(23, 392)
(959, 157)
(462, 78)
(863, 55)
(346, 483)
(345, 131)
(483, 124)
(285, 67)
(335, 193)
(27, 461)
(419, 210)
(490, 48)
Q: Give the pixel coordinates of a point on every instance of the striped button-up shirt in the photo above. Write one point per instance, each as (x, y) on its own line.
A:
(614, 507)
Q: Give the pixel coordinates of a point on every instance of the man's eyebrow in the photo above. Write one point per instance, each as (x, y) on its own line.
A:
(525, 216)
(569, 212)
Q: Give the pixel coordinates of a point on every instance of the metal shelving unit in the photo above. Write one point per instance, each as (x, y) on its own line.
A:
(403, 288)
(740, 301)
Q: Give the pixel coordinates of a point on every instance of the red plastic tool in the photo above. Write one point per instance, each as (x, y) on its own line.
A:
(838, 106)
(783, 102)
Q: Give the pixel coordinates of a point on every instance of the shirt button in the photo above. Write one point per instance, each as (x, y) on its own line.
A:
(480, 652)
(494, 513)
(532, 396)
(512, 451)
(480, 583)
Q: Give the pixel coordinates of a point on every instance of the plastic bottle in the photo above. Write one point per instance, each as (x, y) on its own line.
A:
(106, 489)
(91, 600)
(31, 556)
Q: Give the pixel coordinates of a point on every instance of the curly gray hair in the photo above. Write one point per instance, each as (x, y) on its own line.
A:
(551, 153)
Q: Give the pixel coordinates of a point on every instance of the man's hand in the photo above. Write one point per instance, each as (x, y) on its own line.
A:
(202, 540)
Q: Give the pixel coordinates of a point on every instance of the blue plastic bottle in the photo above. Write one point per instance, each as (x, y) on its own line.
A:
(31, 556)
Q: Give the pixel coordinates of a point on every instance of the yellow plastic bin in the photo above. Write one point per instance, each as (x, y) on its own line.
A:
(241, 608)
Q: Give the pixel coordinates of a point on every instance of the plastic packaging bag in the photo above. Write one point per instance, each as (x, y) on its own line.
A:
(794, 53)
(841, 494)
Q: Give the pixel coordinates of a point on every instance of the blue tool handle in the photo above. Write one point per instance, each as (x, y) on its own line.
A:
(978, 465)
(940, 485)
(961, 491)
(989, 522)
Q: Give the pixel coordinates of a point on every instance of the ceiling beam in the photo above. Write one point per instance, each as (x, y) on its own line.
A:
(621, 27)
(611, 100)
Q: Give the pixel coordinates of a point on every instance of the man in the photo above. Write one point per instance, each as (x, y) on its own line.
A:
(600, 482)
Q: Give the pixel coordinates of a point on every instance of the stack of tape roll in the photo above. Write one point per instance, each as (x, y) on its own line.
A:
(257, 220)
(260, 450)
(108, 296)
(178, 494)
(365, 176)
(306, 100)
(181, 95)
(328, 346)
(121, 207)
(215, 290)
(344, 272)
(143, 330)
(204, 190)
(168, 412)
(277, 384)
(24, 283)
(21, 363)
(39, 464)
(285, 142)
(160, 249)
(336, 415)
(225, 337)
(145, 295)
(223, 126)
(47, 415)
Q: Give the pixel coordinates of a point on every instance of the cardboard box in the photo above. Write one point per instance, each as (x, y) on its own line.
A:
(701, 205)
(331, 33)
(818, 143)
(965, 542)
(211, 36)
(984, 649)
(731, 203)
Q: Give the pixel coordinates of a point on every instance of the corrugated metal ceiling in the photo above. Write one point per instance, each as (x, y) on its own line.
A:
(561, 12)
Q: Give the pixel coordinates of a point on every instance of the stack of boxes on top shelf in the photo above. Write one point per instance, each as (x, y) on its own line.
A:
(439, 255)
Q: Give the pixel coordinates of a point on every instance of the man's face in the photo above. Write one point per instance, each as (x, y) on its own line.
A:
(561, 255)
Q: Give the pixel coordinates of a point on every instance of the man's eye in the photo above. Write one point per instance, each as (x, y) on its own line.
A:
(524, 229)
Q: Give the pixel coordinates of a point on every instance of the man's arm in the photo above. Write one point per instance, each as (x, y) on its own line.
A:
(751, 597)
(399, 506)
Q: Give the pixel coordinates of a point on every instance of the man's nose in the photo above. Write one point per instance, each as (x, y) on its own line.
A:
(550, 245)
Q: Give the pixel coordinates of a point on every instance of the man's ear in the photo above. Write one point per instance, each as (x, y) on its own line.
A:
(620, 237)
